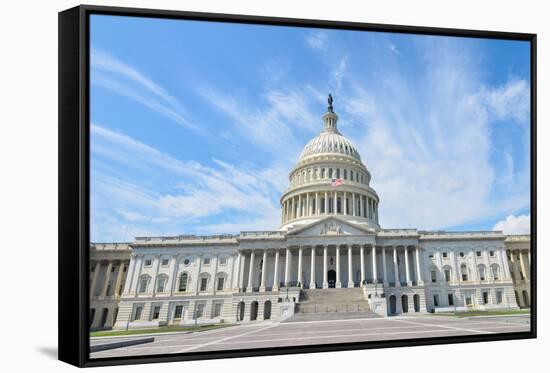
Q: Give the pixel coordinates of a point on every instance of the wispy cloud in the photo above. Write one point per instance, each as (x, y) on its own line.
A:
(317, 40)
(194, 191)
(117, 76)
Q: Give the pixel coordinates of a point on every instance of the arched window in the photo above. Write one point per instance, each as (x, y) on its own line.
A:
(495, 270)
(481, 272)
(464, 272)
(144, 283)
(162, 280)
(345, 174)
(184, 279)
(322, 173)
(92, 316)
(351, 175)
(330, 173)
(337, 173)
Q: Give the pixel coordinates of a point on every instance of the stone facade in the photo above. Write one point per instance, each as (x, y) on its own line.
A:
(329, 237)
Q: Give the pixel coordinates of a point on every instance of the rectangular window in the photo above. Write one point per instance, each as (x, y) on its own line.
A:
(165, 262)
(161, 286)
(478, 253)
(485, 297)
(345, 174)
(221, 281)
(491, 253)
(436, 300)
(156, 313)
(200, 310)
(337, 173)
(204, 283)
(223, 261)
(482, 274)
(447, 275)
(468, 300)
(444, 254)
(148, 262)
(451, 300)
(138, 308)
(206, 261)
(351, 175)
(322, 205)
(143, 285)
(499, 297)
(217, 310)
(431, 256)
(434, 276)
(178, 312)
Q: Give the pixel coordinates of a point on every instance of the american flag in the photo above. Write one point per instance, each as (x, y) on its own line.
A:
(336, 182)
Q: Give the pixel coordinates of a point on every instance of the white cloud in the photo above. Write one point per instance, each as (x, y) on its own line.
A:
(196, 192)
(110, 73)
(317, 40)
(393, 48)
(429, 148)
(520, 224)
(510, 101)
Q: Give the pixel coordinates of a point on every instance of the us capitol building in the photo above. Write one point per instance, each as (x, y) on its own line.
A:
(329, 257)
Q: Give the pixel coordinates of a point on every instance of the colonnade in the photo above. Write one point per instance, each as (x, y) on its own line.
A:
(329, 203)
(252, 282)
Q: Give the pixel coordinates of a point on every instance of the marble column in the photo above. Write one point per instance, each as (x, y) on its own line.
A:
(300, 209)
(174, 277)
(251, 273)
(419, 280)
(93, 285)
(287, 267)
(107, 279)
(325, 265)
(317, 205)
(522, 266)
(264, 270)
(362, 259)
(396, 268)
(300, 252)
(334, 202)
(354, 204)
(118, 282)
(384, 270)
(350, 268)
(326, 203)
(344, 201)
(407, 269)
(275, 286)
(312, 284)
(338, 280)
(374, 268)
(215, 274)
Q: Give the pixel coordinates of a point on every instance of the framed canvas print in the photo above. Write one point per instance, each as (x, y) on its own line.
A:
(234, 186)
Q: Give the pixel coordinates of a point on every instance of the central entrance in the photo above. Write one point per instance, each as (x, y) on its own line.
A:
(331, 276)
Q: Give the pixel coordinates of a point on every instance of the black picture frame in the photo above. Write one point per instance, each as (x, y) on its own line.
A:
(74, 203)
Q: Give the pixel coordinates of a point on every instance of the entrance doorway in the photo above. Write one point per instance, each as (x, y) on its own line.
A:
(393, 305)
(331, 276)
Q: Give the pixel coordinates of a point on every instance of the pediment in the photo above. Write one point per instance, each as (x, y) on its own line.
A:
(331, 226)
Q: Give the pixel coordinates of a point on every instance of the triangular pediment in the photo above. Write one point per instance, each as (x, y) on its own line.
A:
(331, 226)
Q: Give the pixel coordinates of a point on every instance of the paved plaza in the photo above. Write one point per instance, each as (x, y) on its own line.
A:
(275, 334)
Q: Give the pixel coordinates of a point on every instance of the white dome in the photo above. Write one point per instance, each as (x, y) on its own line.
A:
(329, 142)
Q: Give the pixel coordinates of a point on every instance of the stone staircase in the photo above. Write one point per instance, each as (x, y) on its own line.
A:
(332, 304)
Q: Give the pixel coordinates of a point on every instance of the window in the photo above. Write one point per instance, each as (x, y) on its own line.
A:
(186, 261)
(464, 272)
(481, 273)
(183, 282)
(491, 253)
(206, 261)
(165, 262)
(447, 275)
(200, 310)
(138, 309)
(330, 173)
(434, 276)
(468, 299)
(345, 174)
(161, 284)
(495, 270)
(444, 254)
(478, 253)
(112, 269)
(461, 254)
(431, 256)
(156, 312)
(223, 261)
(204, 283)
(148, 262)
(450, 299)
(178, 312)
(436, 300)
(499, 296)
(485, 297)
(125, 268)
(351, 175)
(221, 281)
(337, 173)
(322, 173)
(217, 310)
(143, 283)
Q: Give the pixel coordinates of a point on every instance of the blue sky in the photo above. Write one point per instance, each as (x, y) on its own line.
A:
(196, 125)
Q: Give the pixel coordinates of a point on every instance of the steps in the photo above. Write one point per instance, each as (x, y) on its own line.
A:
(332, 304)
